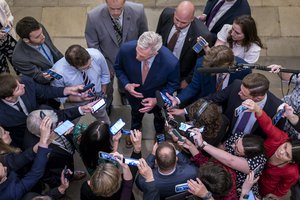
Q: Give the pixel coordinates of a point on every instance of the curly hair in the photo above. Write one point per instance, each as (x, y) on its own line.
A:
(211, 118)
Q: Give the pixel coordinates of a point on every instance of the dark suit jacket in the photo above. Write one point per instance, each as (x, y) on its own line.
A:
(14, 187)
(163, 74)
(30, 62)
(15, 121)
(204, 84)
(58, 157)
(187, 57)
(241, 7)
(230, 100)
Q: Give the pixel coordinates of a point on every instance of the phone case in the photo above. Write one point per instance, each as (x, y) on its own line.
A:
(181, 187)
(64, 127)
(114, 129)
(98, 105)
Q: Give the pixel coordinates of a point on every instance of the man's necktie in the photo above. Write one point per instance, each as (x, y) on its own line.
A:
(220, 79)
(118, 30)
(213, 13)
(173, 40)
(87, 81)
(20, 107)
(243, 122)
(145, 70)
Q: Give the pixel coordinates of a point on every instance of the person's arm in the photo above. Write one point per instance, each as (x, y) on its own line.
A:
(222, 35)
(10, 18)
(29, 69)
(150, 191)
(38, 168)
(264, 120)
(136, 139)
(198, 189)
(15, 161)
(232, 161)
(91, 34)
(247, 185)
(283, 75)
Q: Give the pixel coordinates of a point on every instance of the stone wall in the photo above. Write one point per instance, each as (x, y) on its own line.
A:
(278, 21)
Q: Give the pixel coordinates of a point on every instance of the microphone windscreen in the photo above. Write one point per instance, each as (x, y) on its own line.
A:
(160, 101)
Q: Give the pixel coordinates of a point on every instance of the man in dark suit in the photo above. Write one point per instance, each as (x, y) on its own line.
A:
(143, 67)
(228, 11)
(254, 86)
(34, 53)
(182, 22)
(19, 97)
(204, 84)
(102, 33)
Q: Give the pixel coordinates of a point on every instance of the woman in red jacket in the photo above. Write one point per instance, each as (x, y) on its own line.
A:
(283, 154)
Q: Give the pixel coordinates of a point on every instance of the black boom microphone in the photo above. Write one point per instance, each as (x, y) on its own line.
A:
(265, 68)
(218, 70)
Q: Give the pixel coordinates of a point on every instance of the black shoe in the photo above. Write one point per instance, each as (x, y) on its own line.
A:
(108, 109)
(124, 100)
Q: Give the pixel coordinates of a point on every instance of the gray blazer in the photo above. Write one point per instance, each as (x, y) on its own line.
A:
(99, 31)
(30, 62)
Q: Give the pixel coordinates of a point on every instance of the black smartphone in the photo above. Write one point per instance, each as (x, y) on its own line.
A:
(160, 138)
(278, 116)
(173, 123)
(42, 115)
(125, 131)
(54, 74)
(87, 87)
(177, 134)
(67, 175)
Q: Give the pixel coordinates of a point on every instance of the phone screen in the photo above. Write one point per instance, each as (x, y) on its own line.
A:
(98, 105)
(64, 127)
(160, 138)
(131, 161)
(117, 127)
(181, 187)
(106, 156)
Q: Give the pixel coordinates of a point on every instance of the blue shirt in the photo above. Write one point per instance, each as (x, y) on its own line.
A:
(98, 73)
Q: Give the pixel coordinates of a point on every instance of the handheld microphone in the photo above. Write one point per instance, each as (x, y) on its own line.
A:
(160, 101)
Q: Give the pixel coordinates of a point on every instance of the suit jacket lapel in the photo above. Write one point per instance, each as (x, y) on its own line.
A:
(35, 55)
(126, 22)
(167, 30)
(188, 40)
(109, 26)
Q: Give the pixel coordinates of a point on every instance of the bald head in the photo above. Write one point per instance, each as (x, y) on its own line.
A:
(184, 14)
(115, 7)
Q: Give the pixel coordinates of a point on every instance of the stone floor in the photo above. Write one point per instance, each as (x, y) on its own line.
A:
(120, 111)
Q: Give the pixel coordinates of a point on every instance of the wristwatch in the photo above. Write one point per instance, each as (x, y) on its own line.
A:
(203, 145)
(245, 196)
(208, 194)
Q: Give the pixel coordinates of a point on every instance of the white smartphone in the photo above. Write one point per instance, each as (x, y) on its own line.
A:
(64, 127)
(117, 127)
(131, 161)
(98, 105)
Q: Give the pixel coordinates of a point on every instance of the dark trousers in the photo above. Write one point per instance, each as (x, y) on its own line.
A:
(137, 117)
(7, 46)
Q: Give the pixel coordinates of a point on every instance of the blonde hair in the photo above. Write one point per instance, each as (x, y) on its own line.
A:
(151, 40)
(106, 180)
(6, 148)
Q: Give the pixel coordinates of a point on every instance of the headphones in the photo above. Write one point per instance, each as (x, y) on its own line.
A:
(203, 107)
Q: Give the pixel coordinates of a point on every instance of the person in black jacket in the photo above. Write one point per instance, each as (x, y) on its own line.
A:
(11, 186)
